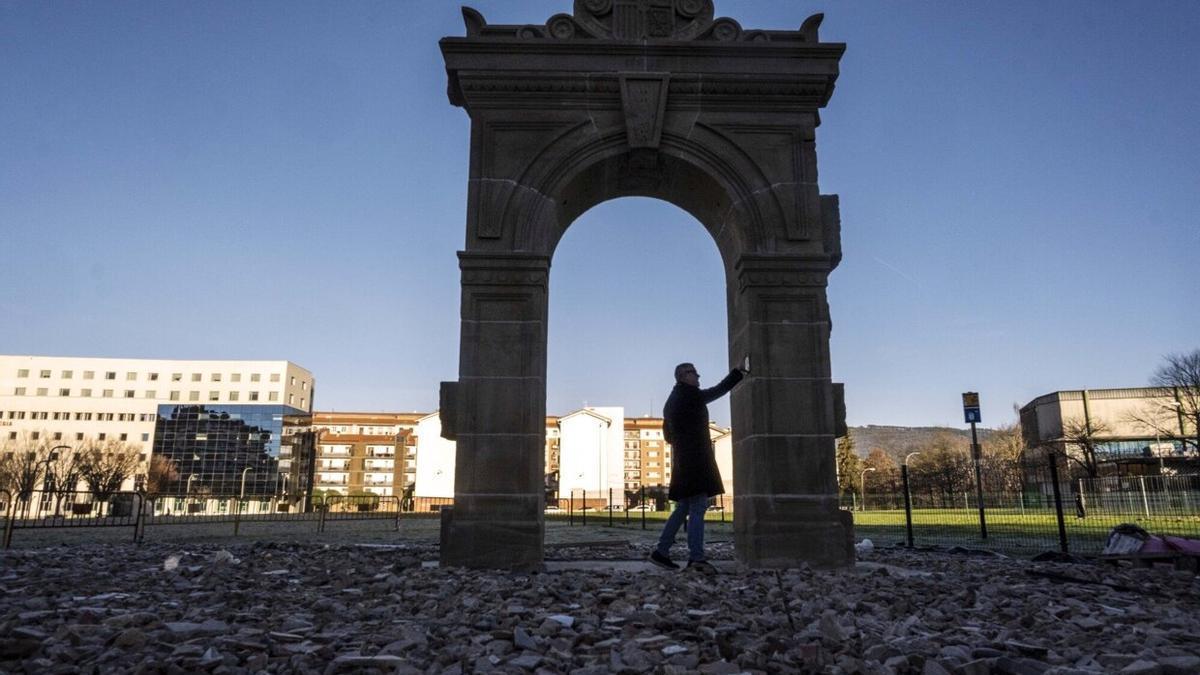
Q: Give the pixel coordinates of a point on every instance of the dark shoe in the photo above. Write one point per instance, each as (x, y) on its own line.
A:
(662, 561)
(701, 566)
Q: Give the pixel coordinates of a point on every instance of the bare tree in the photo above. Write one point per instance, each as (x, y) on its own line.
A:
(27, 465)
(943, 470)
(1003, 452)
(1080, 443)
(1169, 415)
(62, 475)
(105, 466)
(161, 473)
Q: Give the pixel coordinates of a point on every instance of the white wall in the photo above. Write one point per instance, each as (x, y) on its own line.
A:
(435, 459)
(592, 453)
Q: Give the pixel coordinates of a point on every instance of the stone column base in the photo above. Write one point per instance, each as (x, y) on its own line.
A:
(491, 544)
(786, 531)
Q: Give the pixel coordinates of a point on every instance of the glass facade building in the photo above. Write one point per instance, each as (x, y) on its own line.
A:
(228, 449)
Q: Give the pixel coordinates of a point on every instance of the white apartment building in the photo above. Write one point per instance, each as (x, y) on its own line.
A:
(592, 454)
(65, 400)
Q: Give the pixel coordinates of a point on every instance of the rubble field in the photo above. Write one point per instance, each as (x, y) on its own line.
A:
(309, 607)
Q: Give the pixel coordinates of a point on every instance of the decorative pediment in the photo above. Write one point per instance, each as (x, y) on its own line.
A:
(639, 20)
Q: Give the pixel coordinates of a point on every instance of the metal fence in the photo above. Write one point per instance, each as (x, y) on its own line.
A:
(139, 510)
(1050, 512)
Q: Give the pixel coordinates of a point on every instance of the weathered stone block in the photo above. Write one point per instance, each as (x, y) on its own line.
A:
(796, 465)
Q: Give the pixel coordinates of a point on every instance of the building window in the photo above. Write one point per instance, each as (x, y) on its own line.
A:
(274, 396)
(58, 435)
(107, 393)
(302, 403)
(214, 395)
(110, 375)
(12, 435)
(68, 374)
(19, 391)
(24, 372)
(255, 377)
(293, 381)
(101, 437)
(274, 377)
(216, 377)
(193, 396)
(233, 396)
(89, 374)
(174, 396)
(153, 377)
(41, 391)
(254, 396)
(177, 377)
(35, 435)
(124, 437)
(304, 385)
(45, 374)
(85, 392)
(195, 377)
(130, 376)
(150, 393)
(129, 393)
(79, 436)
(64, 392)
(235, 377)
(145, 437)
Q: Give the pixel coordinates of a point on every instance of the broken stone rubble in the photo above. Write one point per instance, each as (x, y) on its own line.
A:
(355, 609)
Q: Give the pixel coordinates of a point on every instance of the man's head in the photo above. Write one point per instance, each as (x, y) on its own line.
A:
(685, 373)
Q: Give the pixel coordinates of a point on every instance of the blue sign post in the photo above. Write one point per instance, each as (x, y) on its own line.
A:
(972, 416)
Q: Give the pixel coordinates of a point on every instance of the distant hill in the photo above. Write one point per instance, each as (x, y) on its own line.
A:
(899, 441)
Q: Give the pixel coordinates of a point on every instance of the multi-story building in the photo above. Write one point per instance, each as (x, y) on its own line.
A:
(361, 453)
(587, 453)
(1133, 431)
(224, 425)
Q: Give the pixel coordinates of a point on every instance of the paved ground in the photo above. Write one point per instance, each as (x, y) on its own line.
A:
(361, 597)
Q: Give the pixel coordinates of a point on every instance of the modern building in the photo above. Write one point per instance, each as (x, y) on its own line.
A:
(1135, 431)
(222, 423)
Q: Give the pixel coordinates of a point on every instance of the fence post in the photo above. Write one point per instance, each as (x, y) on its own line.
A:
(322, 508)
(139, 523)
(722, 508)
(610, 505)
(1145, 503)
(8, 522)
(907, 505)
(583, 509)
(571, 508)
(398, 505)
(642, 506)
(237, 516)
(1058, 511)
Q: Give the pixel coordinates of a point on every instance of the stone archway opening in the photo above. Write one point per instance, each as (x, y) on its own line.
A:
(653, 98)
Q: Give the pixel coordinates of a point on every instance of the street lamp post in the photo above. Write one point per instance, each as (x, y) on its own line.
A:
(244, 472)
(907, 499)
(862, 487)
(188, 491)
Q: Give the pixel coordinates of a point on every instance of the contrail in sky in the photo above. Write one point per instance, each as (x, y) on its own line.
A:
(893, 268)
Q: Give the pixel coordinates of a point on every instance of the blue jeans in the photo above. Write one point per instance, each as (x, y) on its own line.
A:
(691, 508)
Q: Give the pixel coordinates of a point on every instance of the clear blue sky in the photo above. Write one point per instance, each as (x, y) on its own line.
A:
(1020, 184)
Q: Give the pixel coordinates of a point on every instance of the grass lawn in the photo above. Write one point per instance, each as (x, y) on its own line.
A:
(1012, 531)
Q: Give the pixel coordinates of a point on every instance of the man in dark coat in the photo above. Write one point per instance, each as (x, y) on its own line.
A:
(695, 477)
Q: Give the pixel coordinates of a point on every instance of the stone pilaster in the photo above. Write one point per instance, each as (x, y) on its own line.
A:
(500, 414)
(785, 488)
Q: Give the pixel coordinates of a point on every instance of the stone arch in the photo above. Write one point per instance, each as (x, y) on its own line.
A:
(651, 98)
